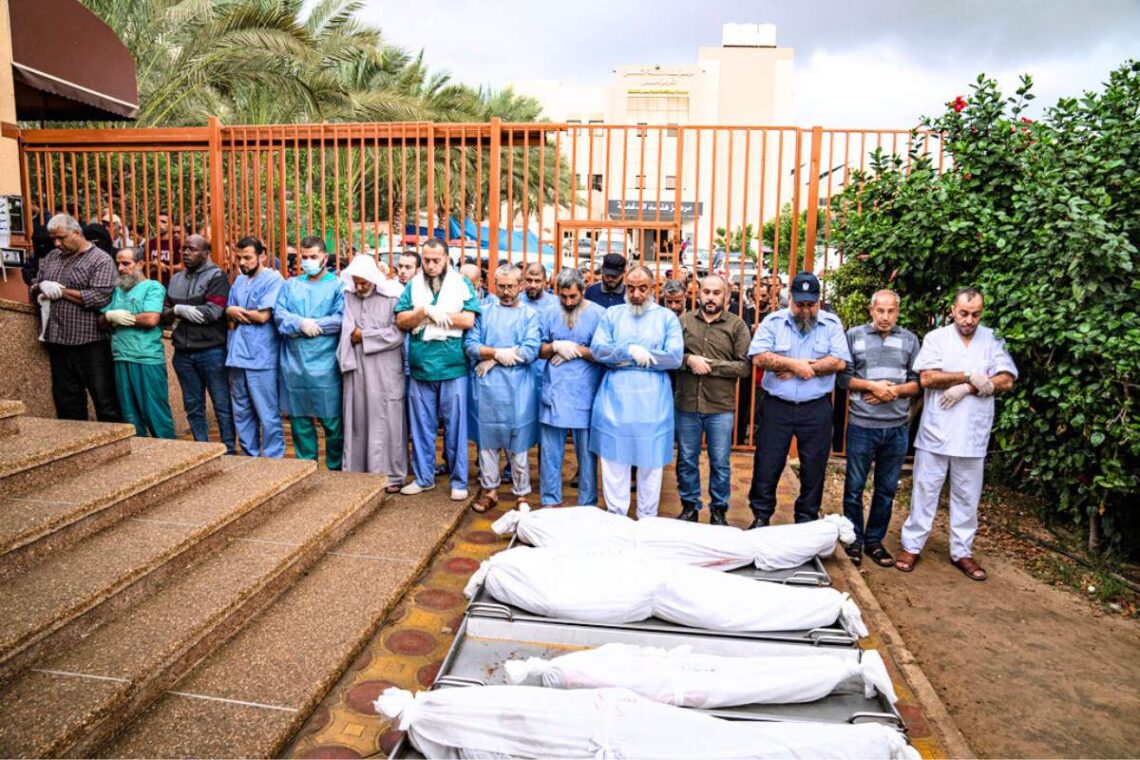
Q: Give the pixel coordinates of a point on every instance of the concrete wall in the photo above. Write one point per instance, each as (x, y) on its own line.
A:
(26, 374)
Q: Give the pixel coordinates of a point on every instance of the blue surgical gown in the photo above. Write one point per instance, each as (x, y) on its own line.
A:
(568, 390)
(310, 375)
(504, 406)
(548, 303)
(254, 346)
(632, 420)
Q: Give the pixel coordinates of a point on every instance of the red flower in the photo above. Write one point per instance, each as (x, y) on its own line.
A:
(958, 104)
(1026, 120)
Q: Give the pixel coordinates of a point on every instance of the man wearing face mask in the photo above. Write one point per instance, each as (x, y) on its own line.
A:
(195, 304)
(716, 356)
(371, 358)
(251, 355)
(962, 366)
(504, 404)
(801, 348)
(632, 418)
(308, 314)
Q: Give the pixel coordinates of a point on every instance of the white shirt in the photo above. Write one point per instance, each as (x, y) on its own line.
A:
(963, 430)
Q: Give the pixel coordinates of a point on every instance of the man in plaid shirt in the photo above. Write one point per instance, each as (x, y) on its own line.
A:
(78, 279)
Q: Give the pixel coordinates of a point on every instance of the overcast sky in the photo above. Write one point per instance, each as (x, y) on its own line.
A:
(869, 63)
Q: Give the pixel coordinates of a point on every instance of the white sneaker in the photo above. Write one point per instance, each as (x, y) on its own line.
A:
(413, 488)
(458, 494)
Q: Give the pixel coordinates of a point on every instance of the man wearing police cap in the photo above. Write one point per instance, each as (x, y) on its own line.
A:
(801, 348)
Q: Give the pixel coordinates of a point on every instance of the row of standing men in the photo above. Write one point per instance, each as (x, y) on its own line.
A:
(624, 378)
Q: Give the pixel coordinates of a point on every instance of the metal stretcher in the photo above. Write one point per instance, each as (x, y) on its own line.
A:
(486, 641)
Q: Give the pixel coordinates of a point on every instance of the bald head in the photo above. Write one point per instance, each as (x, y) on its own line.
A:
(884, 311)
(195, 251)
(471, 272)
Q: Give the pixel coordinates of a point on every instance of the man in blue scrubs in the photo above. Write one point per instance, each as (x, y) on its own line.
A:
(251, 354)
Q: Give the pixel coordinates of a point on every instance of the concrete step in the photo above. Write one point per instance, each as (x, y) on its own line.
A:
(73, 702)
(10, 413)
(46, 450)
(50, 516)
(60, 599)
(249, 697)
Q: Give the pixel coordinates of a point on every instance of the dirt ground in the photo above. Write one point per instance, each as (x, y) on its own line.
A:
(1027, 668)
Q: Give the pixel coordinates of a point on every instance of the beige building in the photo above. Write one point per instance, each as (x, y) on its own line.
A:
(723, 177)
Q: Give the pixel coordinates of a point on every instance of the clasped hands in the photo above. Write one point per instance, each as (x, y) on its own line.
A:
(564, 351)
(804, 369)
(506, 357)
(978, 381)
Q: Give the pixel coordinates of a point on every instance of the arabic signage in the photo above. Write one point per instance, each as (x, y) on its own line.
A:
(647, 209)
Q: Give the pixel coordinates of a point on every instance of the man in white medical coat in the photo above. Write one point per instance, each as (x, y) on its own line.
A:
(961, 367)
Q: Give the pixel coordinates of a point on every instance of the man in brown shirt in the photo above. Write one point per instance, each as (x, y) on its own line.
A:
(716, 356)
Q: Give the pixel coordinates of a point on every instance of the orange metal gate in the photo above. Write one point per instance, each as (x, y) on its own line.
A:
(746, 201)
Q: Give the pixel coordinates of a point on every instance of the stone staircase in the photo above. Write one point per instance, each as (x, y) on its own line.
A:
(160, 599)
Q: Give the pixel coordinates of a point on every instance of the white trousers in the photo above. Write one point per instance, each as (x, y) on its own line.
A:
(490, 477)
(930, 470)
(615, 487)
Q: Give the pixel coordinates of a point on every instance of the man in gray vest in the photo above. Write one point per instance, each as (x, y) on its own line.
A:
(881, 381)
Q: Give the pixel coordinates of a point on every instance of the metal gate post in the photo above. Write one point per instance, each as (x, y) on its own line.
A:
(217, 204)
(812, 220)
(494, 168)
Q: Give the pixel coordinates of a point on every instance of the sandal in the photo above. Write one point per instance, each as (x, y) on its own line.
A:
(881, 556)
(906, 561)
(487, 500)
(970, 568)
(393, 488)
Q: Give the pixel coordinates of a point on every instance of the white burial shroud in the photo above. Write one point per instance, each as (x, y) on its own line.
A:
(686, 679)
(615, 587)
(777, 547)
(528, 721)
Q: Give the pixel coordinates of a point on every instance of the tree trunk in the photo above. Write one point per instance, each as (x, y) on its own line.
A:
(1095, 533)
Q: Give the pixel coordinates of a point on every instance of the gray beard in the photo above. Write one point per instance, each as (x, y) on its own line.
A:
(435, 283)
(638, 311)
(128, 281)
(570, 316)
(806, 324)
(367, 292)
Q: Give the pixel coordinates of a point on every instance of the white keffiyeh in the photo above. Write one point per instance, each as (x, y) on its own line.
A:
(452, 295)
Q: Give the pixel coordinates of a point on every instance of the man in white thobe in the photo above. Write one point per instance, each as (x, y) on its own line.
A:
(961, 366)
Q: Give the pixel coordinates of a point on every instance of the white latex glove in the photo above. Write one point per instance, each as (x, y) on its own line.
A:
(953, 395)
(981, 381)
(483, 367)
(641, 356)
(189, 313)
(310, 328)
(438, 316)
(51, 290)
(557, 360)
(508, 357)
(120, 317)
(567, 349)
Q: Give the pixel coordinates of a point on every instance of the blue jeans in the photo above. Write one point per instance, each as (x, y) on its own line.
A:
(886, 448)
(717, 428)
(198, 372)
(552, 453)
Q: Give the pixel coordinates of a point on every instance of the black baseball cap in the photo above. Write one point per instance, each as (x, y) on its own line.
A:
(613, 264)
(805, 287)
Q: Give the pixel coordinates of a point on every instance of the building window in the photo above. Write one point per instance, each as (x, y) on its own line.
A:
(672, 129)
(597, 121)
(670, 182)
(596, 182)
(638, 181)
(670, 109)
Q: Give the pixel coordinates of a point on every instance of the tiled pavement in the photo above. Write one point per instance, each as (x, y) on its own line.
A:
(408, 648)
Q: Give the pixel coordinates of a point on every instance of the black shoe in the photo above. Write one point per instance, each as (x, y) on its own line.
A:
(718, 517)
(854, 553)
(881, 556)
(690, 514)
(758, 522)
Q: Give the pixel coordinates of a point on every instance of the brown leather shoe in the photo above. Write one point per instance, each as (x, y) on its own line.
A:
(970, 568)
(487, 500)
